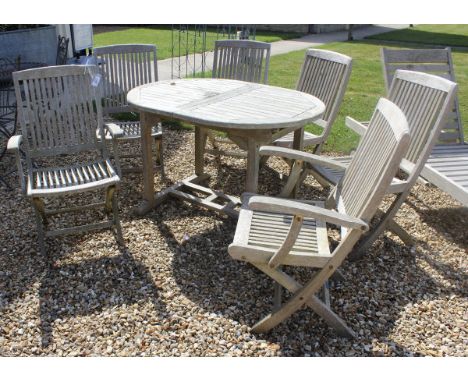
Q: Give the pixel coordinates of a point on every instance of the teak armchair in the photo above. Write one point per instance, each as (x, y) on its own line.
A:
(272, 232)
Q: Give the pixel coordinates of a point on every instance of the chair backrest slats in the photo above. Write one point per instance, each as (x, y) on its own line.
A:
(373, 165)
(325, 75)
(242, 60)
(124, 67)
(432, 61)
(58, 109)
(426, 101)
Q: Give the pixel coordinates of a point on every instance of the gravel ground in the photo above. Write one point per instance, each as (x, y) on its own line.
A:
(174, 290)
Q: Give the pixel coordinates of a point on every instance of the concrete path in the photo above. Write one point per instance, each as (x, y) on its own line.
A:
(278, 47)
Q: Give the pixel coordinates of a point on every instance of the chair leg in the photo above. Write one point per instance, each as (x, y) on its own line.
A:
(39, 213)
(278, 296)
(401, 233)
(301, 297)
(111, 198)
(385, 222)
(116, 155)
(292, 183)
(326, 293)
(211, 137)
(319, 178)
(338, 276)
(158, 143)
(263, 160)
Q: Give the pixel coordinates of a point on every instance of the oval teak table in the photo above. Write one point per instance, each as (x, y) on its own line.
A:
(250, 114)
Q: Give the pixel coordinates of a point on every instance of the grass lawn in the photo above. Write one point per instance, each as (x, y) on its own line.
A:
(366, 84)
(161, 36)
(434, 34)
(365, 87)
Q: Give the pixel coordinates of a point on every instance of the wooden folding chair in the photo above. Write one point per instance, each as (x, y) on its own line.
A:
(325, 75)
(125, 67)
(272, 232)
(59, 111)
(447, 165)
(426, 101)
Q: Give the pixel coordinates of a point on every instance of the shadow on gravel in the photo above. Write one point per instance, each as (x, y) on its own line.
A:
(91, 286)
(447, 221)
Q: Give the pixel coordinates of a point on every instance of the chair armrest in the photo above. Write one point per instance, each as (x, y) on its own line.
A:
(114, 130)
(358, 127)
(14, 143)
(300, 155)
(291, 207)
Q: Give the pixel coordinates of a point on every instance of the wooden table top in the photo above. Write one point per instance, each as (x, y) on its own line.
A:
(227, 103)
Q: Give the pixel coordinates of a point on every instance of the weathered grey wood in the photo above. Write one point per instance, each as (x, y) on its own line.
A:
(252, 165)
(294, 174)
(123, 68)
(447, 168)
(59, 112)
(432, 61)
(200, 137)
(243, 110)
(184, 189)
(438, 62)
(426, 100)
(358, 127)
(147, 122)
(267, 226)
(242, 60)
(313, 302)
(303, 156)
(325, 75)
(288, 242)
(291, 207)
(227, 104)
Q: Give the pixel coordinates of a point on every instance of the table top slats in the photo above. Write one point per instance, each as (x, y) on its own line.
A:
(227, 103)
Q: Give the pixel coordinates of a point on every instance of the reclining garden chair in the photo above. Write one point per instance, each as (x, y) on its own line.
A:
(124, 67)
(447, 166)
(242, 60)
(426, 101)
(59, 112)
(325, 75)
(272, 232)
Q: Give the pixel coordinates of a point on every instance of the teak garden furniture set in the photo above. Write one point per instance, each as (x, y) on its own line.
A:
(61, 113)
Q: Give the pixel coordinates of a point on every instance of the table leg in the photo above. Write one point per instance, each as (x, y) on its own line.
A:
(200, 143)
(146, 121)
(251, 182)
(298, 144)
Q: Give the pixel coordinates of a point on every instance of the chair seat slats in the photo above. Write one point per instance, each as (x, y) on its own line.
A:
(132, 130)
(67, 179)
(268, 231)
